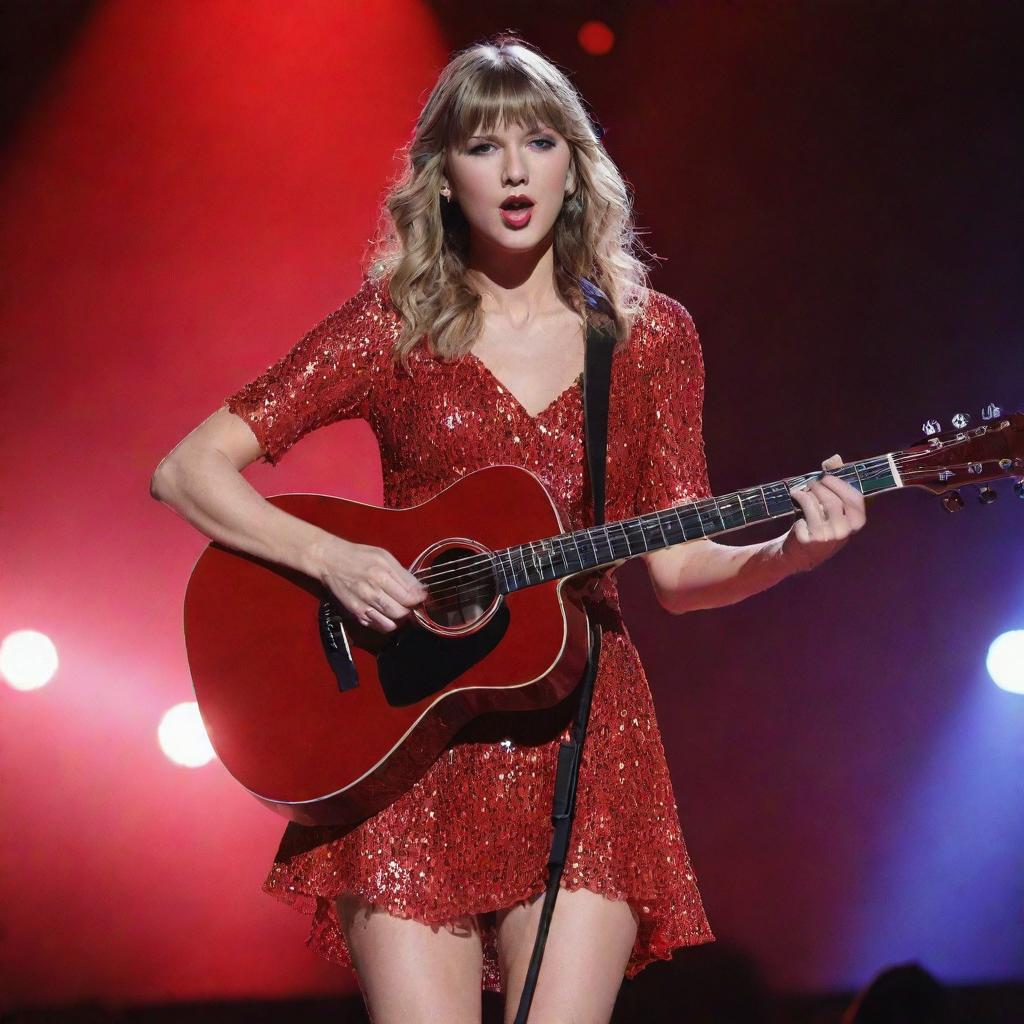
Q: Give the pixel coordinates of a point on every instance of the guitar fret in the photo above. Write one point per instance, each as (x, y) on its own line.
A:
(721, 518)
(643, 536)
(727, 512)
(626, 537)
(512, 569)
(565, 561)
(784, 499)
(548, 549)
(579, 554)
(700, 520)
(524, 570)
(504, 577)
(538, 560)
(661, 528)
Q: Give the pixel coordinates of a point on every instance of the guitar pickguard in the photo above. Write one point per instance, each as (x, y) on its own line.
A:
(415, 663)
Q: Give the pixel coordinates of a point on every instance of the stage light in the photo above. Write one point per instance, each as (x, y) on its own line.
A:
(1005, 661)
(183, 738)
(595, 38)
(28, 659)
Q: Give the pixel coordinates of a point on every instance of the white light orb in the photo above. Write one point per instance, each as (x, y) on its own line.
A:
(1005, 661)
(28, 659)
(183, 738)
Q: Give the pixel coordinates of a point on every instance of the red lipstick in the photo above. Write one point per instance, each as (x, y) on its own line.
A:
(516, 210)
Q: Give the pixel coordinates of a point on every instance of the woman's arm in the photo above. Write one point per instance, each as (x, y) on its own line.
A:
(201, 480)
(702, 574)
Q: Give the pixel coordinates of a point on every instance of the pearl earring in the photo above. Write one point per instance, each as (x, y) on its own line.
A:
(447, 193)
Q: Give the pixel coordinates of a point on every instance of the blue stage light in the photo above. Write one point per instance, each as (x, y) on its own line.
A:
(1005, 661)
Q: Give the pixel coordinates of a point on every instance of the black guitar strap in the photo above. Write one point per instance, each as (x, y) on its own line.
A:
(596, 384)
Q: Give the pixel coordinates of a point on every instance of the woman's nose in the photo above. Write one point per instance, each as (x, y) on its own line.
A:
(515, 167)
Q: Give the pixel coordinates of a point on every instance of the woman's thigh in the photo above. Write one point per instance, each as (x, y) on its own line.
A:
(585, 956)
(409, 971)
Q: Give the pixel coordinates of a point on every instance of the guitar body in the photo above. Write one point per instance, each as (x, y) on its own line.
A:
(327, 721)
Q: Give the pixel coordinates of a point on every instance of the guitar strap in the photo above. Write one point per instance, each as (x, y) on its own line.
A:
(596, 385)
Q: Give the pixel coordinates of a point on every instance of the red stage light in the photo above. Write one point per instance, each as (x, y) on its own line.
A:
(595, 38)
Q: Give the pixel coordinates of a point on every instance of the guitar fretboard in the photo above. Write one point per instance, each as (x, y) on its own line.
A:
(540, 561)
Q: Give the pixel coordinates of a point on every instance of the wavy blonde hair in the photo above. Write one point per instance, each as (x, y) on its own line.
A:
(422, 245)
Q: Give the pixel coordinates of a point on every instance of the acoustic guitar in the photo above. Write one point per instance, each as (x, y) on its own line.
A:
(327, 721)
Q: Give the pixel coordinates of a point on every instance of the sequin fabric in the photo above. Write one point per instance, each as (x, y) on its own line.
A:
(474, 834)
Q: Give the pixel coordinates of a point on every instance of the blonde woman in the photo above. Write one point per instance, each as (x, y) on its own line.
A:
(464, 348)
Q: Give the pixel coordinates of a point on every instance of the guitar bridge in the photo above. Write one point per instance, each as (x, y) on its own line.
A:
(336, 647)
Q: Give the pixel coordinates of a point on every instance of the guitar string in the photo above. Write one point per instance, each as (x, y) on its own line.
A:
(468, 588)
(479, 564)
(868, 476)
(482, 564)
(451, 570)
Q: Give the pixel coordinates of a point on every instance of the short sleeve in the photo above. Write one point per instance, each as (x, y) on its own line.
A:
(673, 468)
(327, 376)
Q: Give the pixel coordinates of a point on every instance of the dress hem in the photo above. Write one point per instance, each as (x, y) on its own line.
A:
(327, 940)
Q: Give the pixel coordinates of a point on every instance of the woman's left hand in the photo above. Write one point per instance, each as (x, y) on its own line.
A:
(833, 512)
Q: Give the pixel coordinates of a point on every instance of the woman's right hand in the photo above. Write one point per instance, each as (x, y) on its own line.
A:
(370, 582)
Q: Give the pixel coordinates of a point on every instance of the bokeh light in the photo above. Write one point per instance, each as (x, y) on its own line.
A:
(28, 659)
(595, 38)
(183, 738)
(1005, 661)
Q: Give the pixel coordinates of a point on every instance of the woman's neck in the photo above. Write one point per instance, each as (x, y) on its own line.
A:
(518, 286)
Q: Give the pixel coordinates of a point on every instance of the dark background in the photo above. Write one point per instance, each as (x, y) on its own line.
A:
(834, 191)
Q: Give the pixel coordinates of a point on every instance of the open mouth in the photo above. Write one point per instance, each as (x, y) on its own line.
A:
(516, 211)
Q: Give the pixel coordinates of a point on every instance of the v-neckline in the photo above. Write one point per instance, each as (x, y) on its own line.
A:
(569, 389)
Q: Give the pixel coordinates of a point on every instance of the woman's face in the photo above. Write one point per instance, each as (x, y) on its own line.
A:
(531, 163)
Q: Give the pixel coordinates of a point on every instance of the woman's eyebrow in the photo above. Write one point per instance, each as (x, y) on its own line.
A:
(532, 129)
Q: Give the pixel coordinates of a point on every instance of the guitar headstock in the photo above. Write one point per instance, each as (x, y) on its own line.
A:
(942, 461)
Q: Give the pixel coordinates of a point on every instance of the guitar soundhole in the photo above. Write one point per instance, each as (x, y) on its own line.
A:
(462, 587)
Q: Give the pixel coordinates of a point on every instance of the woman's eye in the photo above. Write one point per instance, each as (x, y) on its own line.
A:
(482, 147)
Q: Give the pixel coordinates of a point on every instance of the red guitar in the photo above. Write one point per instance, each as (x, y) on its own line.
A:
(327, 721)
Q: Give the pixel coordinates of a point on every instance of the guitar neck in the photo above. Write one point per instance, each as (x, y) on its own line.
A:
(540, 561)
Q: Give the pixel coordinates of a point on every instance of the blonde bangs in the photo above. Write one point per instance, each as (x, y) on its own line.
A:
(503, 95)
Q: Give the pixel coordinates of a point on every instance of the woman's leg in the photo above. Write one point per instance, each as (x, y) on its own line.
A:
(411, 972)
(585, 956)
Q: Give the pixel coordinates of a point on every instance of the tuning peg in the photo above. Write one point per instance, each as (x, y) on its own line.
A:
(960, 420)
(931, 427)
(986, 495)
(991, 412)
(952, 502)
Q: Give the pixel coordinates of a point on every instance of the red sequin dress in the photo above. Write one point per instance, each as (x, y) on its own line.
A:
(474, 834)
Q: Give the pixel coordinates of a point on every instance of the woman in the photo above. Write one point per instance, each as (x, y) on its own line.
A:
(464, 348)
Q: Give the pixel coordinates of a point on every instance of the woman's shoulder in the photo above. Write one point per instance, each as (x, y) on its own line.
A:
(372, 297)
(663, 330)
(366, 316)
(662, 314)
